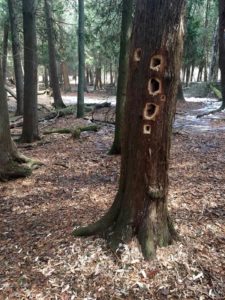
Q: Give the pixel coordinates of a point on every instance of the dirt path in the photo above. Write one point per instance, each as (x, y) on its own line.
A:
(39, 259)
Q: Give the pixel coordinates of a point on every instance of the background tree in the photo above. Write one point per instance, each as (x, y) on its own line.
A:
(81, 59)
(222, 48)
(54, 80)
(123, 72)
(16, 50)
(10, 161)
(30, 119)
(140, 207)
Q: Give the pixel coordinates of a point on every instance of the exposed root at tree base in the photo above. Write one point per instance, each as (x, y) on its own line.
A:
(118, 231)
(19, 166)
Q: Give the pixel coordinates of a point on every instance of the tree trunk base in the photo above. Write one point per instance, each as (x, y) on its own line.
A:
(115, 150)
(17, 167)
(117, 229)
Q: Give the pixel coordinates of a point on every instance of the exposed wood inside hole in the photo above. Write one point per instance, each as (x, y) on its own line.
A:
(147, 129)
(137, 54)
(156, 63)
(163, 98)
(154, 86)
(151, 111)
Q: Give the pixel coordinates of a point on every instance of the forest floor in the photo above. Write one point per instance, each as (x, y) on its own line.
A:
(40, 259)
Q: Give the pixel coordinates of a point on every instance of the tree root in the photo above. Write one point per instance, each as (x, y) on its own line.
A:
(102, 225)
(18, 166)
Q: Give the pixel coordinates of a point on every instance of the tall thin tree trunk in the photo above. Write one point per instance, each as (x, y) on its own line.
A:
(58, 102)
(205, 42)
(140, 207)
(5, 48)
(46, 77)
(65, 74)
(30, 119)
(222, 48)
(123, 72)
(213, 71)
(16, 55)
(10, 160)
(81, 60)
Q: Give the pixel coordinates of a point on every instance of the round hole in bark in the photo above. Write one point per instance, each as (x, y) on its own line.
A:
(137, 54)
(156, 62)
(147, 129)
(154, 86)
(150, 112)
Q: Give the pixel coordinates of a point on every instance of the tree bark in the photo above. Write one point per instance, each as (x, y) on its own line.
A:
(213, 71)
(180, 94)
(81, 60)
(16, 55)
(5, 48)
(30, 120)
(140, 207)
(10, 160)
(58, 102)
(222, 48)
(98, 78)
(123, 72)
(65, 74)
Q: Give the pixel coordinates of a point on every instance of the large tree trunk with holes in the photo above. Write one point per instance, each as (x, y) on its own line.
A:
(16, 55)
(10, 166)
(81, 59)
(58, 102)
(140, 207)
(30, 119)
(123, 72)
(222, 47)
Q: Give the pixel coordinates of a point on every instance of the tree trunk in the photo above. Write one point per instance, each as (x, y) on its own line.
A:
(213, 71)
(30, 120)
(9, 159)
(5, 49)
(81, 60)
(140, 207)
(98, 78)
(180, 94)
(111, 74)
(16, 55)
(58, 102)
(188, 72)
(91, 78)
(222, 48)
(123, 72)
(46, 77)
(205, 42)
(65, 74)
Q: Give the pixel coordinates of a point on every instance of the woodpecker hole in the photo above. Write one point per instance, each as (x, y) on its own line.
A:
(156, 63)
(154, 86)
(137, 54)
(147, 129)
(151, 111)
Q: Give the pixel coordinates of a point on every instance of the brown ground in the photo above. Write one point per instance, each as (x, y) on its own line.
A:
(39, 259)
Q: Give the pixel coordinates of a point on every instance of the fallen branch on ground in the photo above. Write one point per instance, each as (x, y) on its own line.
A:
(212, 112)
(75, 132)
